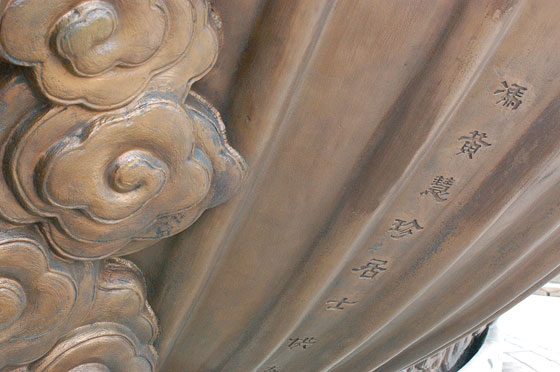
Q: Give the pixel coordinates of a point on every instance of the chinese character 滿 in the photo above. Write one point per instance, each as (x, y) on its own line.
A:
(510, 95)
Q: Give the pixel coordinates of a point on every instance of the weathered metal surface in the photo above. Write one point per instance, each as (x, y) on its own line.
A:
(347, 112)
(402, 188)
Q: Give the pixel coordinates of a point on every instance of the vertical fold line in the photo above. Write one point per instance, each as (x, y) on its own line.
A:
(414, 165)
(261, 160)
(391, 194)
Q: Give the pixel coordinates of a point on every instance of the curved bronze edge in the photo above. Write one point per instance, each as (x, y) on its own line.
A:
(104, 149)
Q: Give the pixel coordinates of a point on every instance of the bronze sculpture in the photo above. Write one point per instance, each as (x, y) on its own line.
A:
(400, 193)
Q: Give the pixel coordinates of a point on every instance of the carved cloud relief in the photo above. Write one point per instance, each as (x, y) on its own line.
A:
(43, 298)
(99, 180)
(102, 145)
(81, 50)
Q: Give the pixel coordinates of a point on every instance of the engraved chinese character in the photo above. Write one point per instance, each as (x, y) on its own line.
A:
(439, 187)
(473, 143)
(402, 228)
(338, 305)
(371, 269)
(304, 343)
(510, 96)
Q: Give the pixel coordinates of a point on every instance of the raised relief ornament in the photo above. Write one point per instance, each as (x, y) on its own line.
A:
(104, 147)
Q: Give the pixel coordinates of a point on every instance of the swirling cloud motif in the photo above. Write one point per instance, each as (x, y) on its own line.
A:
(228, 169)
(120, 297)
(36, 299)
(118, 333)
(43, 298)
(103, 53)
(100, 347)
(146, 171)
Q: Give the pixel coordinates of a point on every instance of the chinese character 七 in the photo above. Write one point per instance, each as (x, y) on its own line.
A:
(338, 305)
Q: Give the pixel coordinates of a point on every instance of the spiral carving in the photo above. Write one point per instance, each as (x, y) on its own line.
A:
(146, 171)
(13, 300)
(81, 50)
(137, 170)
(24, 267)
(101, 347)
(111, 151)
(97, 36)
(124, 166)
(43, 298)
(34, 288)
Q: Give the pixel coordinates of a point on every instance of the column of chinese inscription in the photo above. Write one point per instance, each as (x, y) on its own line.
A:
(510, 97)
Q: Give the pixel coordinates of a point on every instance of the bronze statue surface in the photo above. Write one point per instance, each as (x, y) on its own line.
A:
(398, 188)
